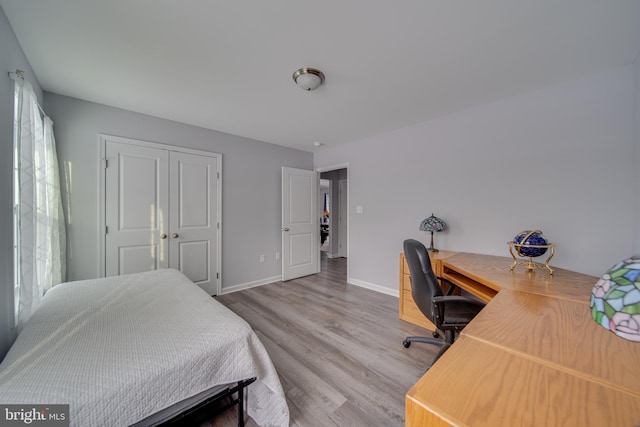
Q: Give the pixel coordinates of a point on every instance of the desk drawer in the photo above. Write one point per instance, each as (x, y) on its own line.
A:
(408, 311)
(412, 313)
(406, 282)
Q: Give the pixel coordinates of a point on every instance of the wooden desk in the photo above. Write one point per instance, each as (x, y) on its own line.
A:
(532, 357)
(559, 333)
(478, 384)
(486, 275)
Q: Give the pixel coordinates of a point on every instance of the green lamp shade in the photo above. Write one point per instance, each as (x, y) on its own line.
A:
(433, 224)
(615, 300)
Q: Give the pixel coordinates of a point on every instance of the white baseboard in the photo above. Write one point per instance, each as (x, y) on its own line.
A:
(350, 280)
(249, 285)
(374, 287)
(332, 255)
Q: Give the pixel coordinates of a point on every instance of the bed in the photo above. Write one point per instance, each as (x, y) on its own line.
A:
(137, 348)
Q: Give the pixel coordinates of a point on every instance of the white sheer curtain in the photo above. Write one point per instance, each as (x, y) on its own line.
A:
(40, 229)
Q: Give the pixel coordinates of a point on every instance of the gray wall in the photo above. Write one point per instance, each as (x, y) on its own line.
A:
(560, 159)
(250, 185)
(11, 58)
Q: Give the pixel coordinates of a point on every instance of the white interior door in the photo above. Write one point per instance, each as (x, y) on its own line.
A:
(300, 223)
(193, 222)
(136, 196)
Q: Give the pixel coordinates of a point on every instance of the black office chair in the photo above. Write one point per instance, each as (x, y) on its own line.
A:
(449, 313)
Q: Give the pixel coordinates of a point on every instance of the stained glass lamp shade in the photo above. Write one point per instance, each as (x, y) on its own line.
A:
(615, 300)
(433, 224)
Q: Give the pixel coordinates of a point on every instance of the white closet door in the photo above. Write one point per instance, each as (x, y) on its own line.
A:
(193, 217)
(136, 200)
(162, 210)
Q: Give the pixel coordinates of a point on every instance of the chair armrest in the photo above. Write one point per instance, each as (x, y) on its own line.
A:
(439, 308)
(455, 298)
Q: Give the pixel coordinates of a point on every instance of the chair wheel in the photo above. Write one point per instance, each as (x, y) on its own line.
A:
(406, 343)
(436, 335)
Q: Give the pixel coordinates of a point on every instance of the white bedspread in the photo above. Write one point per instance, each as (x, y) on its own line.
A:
(120, 348)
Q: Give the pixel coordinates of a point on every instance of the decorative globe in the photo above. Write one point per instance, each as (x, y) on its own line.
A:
(615, 300)
(530, 237)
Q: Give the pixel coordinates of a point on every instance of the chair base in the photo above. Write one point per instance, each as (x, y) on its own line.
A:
(443, 344)
(426, 340)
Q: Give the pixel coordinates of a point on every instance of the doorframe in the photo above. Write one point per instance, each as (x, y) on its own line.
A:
(329, 169)
(101, 191)
(341, 236)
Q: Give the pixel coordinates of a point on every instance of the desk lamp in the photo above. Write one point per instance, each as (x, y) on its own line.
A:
(433, 224)
(615, 300)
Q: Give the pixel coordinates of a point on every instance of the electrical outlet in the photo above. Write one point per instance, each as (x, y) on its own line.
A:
(261, 258)
(277, 255)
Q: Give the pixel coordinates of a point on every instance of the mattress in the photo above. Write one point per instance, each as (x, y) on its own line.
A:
(118, 349)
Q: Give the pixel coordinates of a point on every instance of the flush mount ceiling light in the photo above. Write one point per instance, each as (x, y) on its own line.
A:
(308, 78)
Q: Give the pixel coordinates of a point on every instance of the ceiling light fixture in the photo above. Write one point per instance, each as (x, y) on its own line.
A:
(308, 78)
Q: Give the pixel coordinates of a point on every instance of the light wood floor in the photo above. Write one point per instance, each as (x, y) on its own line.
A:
(337, 349)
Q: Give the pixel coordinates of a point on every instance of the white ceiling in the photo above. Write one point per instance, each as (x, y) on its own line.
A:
(227, 65)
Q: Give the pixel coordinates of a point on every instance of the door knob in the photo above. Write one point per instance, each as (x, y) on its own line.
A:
(175, 235)
(285, 229)
(163, 236)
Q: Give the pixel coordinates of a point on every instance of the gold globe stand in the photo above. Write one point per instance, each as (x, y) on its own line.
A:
(530, 264)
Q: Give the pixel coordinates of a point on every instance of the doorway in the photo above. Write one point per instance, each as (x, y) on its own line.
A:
(325, 204)
(334, 214)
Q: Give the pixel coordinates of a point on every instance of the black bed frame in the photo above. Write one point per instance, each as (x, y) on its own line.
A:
(212, 406)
